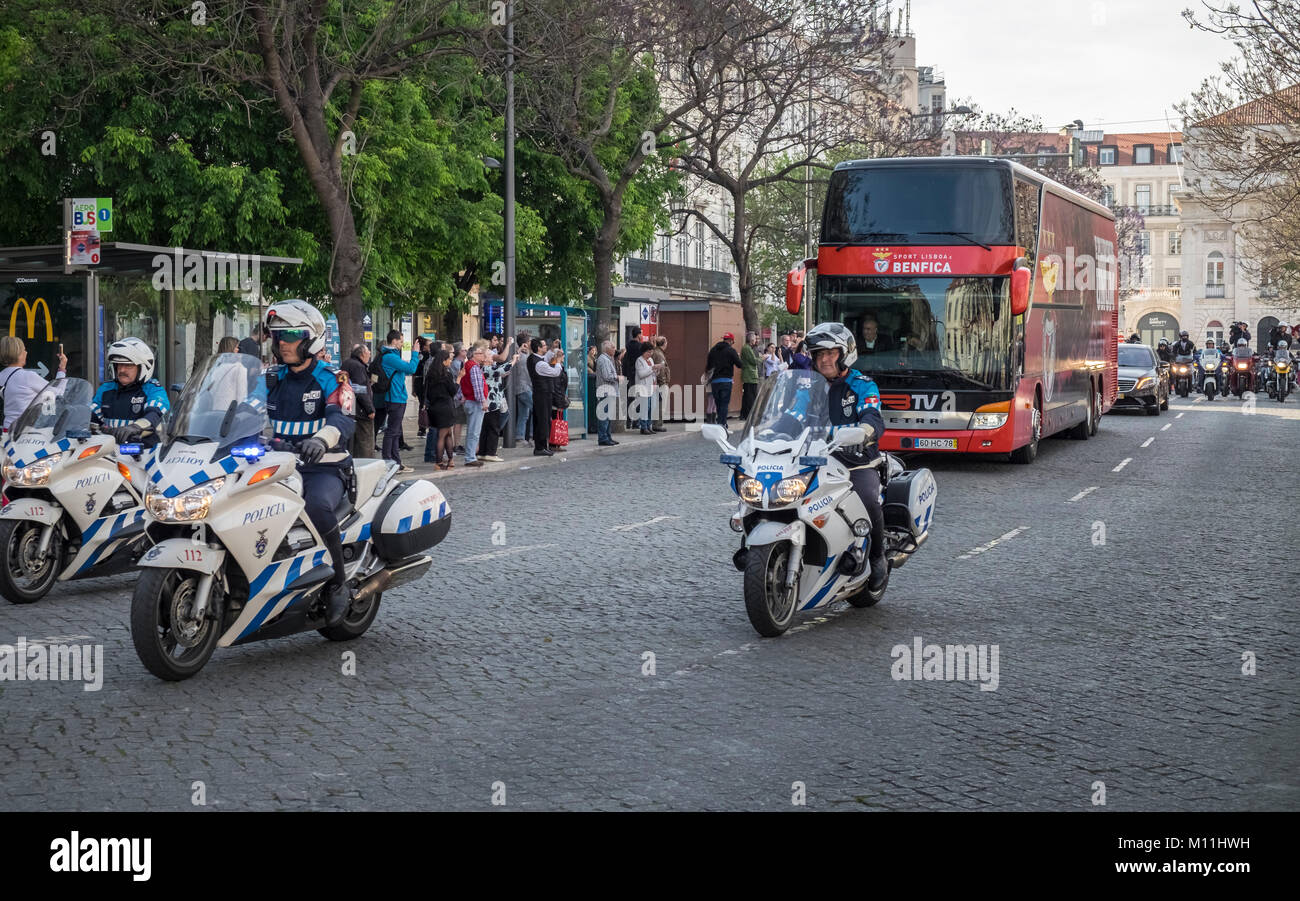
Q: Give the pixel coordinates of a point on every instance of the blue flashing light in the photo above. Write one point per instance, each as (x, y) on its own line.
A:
(812, 461)
(730, 459)
(131, 450)
(248, 453)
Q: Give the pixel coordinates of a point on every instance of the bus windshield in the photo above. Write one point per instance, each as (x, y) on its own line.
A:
(954, 330)
(919, 205)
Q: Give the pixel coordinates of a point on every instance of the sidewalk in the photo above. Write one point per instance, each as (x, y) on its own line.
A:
(521, 456)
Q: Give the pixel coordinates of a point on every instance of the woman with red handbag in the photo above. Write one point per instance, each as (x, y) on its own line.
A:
(559, 402)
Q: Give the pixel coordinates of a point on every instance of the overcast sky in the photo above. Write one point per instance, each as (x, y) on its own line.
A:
(1107, 62)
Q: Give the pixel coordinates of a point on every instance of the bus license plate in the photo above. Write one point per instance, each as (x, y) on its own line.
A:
(936, 443)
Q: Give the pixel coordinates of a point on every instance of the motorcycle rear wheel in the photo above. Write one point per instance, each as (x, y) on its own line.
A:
(19, 539)
(355, 623)
(157, 593)
(770, 605)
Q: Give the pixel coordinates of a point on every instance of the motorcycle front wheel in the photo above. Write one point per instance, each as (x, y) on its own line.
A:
(770, 605)
(169, 642)
(24, 579)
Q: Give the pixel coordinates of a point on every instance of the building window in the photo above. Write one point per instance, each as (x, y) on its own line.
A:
(1144, 243)
(1175, 152)
(1214, 329)
(1106, 155)
(665, 250)
(1143, 198)
(1214, 269)
(1142, 154)
(1108, 196)
(1174, 281)
(1175, 243)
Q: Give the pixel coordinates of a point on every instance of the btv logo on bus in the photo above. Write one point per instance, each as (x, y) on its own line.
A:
(919, 262)
(30, 309)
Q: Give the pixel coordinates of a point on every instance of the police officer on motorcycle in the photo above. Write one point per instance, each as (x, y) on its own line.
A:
(308, 403)
(1184, 347)
(1163, 351)
(854, 400)
(133, 402)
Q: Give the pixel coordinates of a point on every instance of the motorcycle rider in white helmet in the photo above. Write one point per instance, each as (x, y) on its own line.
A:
(854, 400)
(309, 403)
(133, 402)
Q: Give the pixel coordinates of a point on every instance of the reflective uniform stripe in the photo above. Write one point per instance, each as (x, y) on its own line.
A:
(117, 423)
(291, 427)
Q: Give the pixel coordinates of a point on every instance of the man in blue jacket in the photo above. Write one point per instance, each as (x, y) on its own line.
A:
(397, 370)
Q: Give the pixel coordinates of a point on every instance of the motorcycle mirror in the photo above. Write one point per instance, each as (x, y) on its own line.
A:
(718, 435)
(849, 436)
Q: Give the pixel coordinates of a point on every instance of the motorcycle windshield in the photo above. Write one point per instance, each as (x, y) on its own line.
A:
(788, 403)
(223, 401)
(62, 406)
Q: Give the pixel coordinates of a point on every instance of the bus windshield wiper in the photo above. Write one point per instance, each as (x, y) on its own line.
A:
(958, 374)
(965, 235)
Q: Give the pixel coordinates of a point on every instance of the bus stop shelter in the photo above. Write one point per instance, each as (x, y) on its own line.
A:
(89, 308)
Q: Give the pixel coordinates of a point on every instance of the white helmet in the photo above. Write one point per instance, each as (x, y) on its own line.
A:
(134, 351)
(829, 335)
(1241, 342)
(296, 315)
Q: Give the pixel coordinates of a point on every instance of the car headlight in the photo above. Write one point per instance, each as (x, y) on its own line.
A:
(790, 490)
(988, 420)
(34, 474)
(185, 507)
(1144, 382)
(750, 490)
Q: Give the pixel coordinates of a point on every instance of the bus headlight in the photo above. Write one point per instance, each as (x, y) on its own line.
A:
(990, 416)
(750, 490)
(185, 507)
(790, 490)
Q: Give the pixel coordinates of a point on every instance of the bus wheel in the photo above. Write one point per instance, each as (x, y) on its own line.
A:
(1029, 452)
(1095, 423)
(1085, 429)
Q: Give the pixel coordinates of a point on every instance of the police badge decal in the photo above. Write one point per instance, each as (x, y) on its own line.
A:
(90, 503)
(260, 547)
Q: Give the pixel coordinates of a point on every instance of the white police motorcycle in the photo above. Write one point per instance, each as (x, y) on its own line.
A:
(75, 506)
(798, 512)
(236, 559)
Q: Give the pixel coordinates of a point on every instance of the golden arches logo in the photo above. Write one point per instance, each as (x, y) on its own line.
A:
(30, 309)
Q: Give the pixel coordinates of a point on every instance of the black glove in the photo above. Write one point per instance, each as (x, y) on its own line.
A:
(126, 434)
(312, 450)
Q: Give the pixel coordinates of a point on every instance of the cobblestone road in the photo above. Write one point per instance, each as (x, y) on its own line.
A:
(520, 664)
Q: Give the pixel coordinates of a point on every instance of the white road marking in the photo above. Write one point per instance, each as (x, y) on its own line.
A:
(1084, 493)
(1122, 463)
(996, 541)
(1166, 426)
(1147, 443)
(1181, 415)
(508, 552)
(636, 525)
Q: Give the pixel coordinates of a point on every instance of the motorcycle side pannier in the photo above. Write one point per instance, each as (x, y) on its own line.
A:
(909, 501)
(412, 519)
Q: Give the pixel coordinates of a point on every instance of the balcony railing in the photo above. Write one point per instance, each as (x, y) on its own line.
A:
(639, 271)
(1151, 209)
(1214, 291)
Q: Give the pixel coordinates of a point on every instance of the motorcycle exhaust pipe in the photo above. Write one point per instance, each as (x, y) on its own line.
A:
(898, 558)
(391, 577)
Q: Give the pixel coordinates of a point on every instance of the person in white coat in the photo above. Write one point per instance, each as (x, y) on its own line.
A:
(646, 377)
(18, 385)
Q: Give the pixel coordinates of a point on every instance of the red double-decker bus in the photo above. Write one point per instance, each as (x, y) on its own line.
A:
(982, 296)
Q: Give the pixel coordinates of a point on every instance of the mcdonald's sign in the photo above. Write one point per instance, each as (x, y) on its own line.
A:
(30, 309)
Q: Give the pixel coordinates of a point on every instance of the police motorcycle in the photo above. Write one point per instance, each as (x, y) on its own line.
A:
(1212, 366)
(798, 513)
(75, 508)
(236, 559)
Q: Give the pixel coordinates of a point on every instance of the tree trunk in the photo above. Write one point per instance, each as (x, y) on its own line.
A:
(744, 268)
(602, 253)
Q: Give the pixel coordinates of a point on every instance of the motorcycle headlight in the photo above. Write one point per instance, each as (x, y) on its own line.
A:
(1182, 370)
(1283, 367)
(1144, 382)
(34, 474)
(750, 490)
(988, 420)
(1243, 366)
(185, 507)
(790, 490)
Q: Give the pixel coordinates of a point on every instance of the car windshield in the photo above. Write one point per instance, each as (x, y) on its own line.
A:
(787, 404)
(62, 406)
(1137, 356)
(960, 327)
(223, 401)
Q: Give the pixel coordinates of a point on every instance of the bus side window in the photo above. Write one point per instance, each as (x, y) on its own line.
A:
(1027, 218)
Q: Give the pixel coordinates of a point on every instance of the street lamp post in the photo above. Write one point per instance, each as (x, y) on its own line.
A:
(508, 302)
